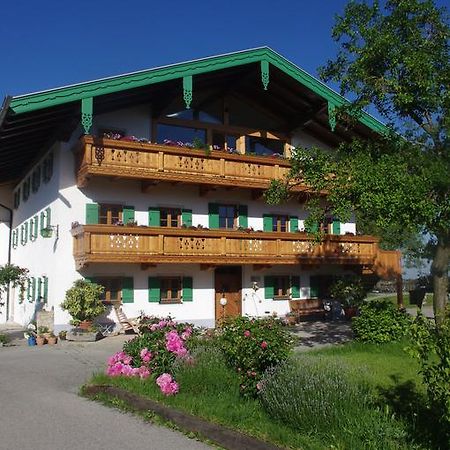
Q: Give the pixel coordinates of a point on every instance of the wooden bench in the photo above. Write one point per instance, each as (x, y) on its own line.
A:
(307, 308)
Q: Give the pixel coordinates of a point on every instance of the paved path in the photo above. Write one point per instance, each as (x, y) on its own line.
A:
(41, 409)
(318, 334)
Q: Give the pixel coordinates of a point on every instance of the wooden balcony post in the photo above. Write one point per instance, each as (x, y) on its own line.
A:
(87, 242)
(87, 154)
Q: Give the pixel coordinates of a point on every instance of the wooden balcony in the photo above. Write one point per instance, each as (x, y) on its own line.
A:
(155, 245)
(154, 162)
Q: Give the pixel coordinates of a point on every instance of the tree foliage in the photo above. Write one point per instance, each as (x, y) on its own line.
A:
(12, 276)
(394, 55)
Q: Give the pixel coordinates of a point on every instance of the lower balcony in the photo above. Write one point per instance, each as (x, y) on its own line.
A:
(156, 245)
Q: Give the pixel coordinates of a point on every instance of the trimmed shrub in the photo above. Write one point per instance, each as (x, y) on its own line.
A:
(380, 321)
(317, 395)
(251, 346)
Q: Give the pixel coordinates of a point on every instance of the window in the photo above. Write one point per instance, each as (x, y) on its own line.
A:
(171, 290)
(17, 198)
(36, 179)
(280, 223)
(47, 168)
(281, 286)
(110, 214)
(176, 133)
(170, 217)
(113, 289)
(263, 146)
(26, 189)
(228, 215)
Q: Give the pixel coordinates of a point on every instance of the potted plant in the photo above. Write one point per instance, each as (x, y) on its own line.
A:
(84, 303)
(44, 331)
(3, 340)
(62, 335)
(52, 339)
(350, 293)
(40, 339)
(30, 334)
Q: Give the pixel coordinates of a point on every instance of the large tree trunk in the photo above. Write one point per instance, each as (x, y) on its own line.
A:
(439, 271)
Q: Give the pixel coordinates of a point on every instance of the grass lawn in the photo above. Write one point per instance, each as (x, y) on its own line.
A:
(393, 298)
(213, 394)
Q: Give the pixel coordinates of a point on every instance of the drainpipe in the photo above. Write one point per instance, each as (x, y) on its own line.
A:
(9, 254)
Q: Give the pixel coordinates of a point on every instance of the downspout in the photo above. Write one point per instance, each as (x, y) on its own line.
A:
(9, 254)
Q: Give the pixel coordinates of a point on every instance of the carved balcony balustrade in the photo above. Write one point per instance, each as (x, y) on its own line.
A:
(156, 245)
(154, 162)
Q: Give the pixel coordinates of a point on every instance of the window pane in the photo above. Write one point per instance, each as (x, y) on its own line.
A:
(177, 133)
(264, 146)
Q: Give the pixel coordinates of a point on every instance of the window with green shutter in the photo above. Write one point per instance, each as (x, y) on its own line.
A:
(213, 215)
(128, 215)
(314, 282)
(24, 233)
(293, 224)
(39, 290)
(336, 227)
(127, 290)
(267, 222)
(154, 290)
(268, 287)
(48, 218)
(186, 217)
(295, 287)
(243, 216)
(32, 289)
(187, 289)
(154, 217)
(92, 212)
(45, 289)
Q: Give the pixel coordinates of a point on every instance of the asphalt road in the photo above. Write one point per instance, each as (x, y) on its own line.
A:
(41, 408)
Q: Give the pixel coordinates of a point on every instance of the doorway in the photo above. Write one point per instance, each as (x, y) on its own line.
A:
(228, 285)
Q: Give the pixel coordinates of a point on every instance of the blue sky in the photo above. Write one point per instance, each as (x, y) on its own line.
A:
(58, 43)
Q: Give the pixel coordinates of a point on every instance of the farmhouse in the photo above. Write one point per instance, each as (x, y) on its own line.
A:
(151, 184)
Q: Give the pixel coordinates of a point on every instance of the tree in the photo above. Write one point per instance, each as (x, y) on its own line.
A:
(396, 57)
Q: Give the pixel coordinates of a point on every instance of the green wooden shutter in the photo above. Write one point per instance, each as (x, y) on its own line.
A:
(154, 290)
(213, 214)
(187, 289)
(35, 226)
(45, 289)
(33, 289)
(39, 290)
(314, 286)
(128, 290)
(336, 227)
(92, 213)
(127, 214)
(25, 233)
(186, 217)
(154, 217)
(48, 217)
(243, 216)
(30, 228)
(293, 224)
(267, 222)
(295, 287)
(14, 238)
(42, 221)
(269, 289)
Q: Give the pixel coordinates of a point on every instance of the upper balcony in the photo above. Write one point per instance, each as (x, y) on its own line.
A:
(155, 162)
(156, 245)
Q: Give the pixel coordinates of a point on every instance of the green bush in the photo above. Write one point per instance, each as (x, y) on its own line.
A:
(432, 348)
(251, 346)
(380, 321)
(317, 395)
(83, 301)
(207, 373)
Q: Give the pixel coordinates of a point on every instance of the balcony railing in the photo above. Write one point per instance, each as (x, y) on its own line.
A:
(155, 245)
(154, 162)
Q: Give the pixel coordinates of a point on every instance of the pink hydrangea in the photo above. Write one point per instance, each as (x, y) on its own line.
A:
(146, 355)
(167, 384)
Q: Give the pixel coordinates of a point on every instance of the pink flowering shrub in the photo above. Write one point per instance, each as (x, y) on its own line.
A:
(167, 384)
(154, 352)
(251, 346)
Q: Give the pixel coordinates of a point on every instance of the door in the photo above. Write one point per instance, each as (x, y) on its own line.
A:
(228, 285)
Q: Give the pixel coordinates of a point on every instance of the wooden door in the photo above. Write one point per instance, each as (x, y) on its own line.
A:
(228, 284)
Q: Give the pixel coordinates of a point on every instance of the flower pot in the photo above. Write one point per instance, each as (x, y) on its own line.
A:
(40, 340)
(350, 311)
(52, 340)
(85, 324)
(31, 341)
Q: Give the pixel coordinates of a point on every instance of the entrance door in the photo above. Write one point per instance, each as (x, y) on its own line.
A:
(228, 285)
